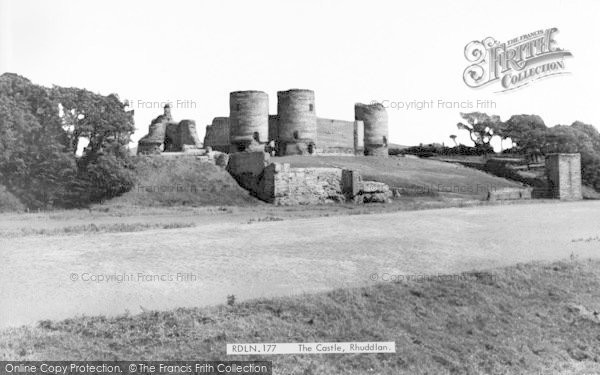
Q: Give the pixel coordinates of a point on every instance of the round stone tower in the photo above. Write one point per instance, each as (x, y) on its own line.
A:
(248, 120)
(375, 119)
(297, 122)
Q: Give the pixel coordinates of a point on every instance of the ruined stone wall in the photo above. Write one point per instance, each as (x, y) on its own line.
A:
(217, 134)
(188, 135)
(181, 134)
(280, 184)
(564, 176)
(166, 135)
(152, 142)
(296, 186)
(247, 169)
(283, 185)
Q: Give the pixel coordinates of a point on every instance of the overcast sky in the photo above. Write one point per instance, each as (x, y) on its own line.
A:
(196, 52)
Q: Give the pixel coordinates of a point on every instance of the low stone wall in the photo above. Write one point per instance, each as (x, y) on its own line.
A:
(509, 194)
(359, 191)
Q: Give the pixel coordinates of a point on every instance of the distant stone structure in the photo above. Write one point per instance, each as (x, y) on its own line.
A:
(564, 176)
(295, 129)
(165, 135)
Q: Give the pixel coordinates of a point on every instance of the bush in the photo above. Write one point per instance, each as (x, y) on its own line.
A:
(426, 151)
(105, 178)
(9, 202)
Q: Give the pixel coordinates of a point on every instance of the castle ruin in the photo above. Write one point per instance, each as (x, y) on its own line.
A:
(296, 129)
(250, 135)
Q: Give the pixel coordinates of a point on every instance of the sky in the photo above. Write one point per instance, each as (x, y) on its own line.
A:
(193, 53)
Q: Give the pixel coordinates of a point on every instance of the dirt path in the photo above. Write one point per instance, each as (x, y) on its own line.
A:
(277, 258)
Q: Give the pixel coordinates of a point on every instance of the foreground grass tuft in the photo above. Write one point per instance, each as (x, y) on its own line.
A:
(533, 318)
(93, 228)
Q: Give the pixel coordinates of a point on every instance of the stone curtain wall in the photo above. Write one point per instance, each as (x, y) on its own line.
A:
(335, 136)
(564, 176)
(273, 127)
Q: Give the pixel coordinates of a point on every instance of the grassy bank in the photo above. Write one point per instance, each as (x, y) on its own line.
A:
(183, 181)
(413, 176)
(534, 318)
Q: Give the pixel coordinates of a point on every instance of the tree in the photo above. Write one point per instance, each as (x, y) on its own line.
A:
(38, 144)
(104, 170)
(453, 138)
(34, 163)
(591, 132)
(581, 138)
(481, 127)
(527, 132)
(103, 120)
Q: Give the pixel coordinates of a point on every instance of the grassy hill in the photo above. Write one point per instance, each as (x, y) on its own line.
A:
(170, 181)
(414, 176)
(535, 318)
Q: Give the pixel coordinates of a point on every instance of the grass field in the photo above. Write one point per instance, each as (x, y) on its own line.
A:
(532, 318)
